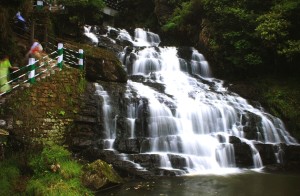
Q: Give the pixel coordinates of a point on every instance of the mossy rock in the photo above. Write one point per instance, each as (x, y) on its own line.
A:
(100, 174)
(101, 64)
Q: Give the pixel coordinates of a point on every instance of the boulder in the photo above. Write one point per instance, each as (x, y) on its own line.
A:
(243, 155)
(292, 157)
(251, 123)
(234, 139)
(99, 174)
(101, 64)
(267, 153)
(127, 145)
(109, 70)
(149, 161)
(177, 161)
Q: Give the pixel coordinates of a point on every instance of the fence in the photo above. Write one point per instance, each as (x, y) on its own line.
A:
(45, 66)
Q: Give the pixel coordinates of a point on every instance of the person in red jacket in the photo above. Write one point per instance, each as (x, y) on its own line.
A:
(36, 50)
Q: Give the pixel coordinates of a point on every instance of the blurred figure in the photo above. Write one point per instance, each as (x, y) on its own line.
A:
(36, 50)
(4, 72)
(20, 23)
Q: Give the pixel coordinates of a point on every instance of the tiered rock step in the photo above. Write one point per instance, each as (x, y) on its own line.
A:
(128, 157)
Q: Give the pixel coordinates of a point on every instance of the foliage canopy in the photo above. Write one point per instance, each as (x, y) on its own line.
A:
(84, 11)
(245, 35)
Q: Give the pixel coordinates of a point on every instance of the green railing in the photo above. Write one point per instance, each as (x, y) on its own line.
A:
(46, 65)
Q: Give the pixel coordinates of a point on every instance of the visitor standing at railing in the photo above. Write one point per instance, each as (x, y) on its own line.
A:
(36, 50)
(4, 72)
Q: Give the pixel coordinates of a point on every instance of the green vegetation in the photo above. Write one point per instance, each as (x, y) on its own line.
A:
(242, 38)
(84, 11)
(245, 40)
(137, 13)
(8, 176)
(55, 173)
(282, 98)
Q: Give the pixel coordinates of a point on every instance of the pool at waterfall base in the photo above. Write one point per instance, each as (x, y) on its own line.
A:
(247, 183)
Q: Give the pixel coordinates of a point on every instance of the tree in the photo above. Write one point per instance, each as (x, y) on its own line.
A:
(245, 36)
(278, 29)
(84, 11)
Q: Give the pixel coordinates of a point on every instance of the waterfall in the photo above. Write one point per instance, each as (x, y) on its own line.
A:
(109, 124)
(185, 114)
(90, 35)
(145, 38)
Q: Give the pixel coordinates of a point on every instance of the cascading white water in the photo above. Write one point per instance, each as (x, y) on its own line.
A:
(203, 111)
(132, 116)
(145, 38)
(199, 64)
(109, 124)
(181, 134)
(90, 35)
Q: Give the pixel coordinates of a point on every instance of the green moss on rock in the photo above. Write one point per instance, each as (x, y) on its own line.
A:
(100, 174)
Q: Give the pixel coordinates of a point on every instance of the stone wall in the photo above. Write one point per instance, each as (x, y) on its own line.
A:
(42, 111)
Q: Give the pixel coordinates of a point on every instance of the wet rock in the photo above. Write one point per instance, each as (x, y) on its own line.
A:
(267, 153)
(221, 138)
(292, 153)
(251, 123)
(103, 144)
(185, 52)
(169, 172)
(107, 43)
(291, 157)
(234, 140)
(81, 143)
(250, 132)
(177, 161)
(109, 156)
(127, 145)
(145, 145)
(243, 155)
(274, 168)
(123, 126)
(113, 33)
(124, 42)
(146, 160)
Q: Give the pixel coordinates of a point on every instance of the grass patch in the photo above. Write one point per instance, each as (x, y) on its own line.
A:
(55, 173)
(9, 174)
